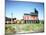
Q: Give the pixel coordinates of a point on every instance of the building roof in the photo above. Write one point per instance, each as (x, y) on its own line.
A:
(26, 14)
(32, 13)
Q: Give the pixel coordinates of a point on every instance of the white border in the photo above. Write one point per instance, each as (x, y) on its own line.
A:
(2, 17)
(2, 25)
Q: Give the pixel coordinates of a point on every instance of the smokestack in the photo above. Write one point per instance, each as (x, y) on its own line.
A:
(36, 11)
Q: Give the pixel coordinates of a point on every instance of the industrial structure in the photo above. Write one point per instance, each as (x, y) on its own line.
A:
(31, 18)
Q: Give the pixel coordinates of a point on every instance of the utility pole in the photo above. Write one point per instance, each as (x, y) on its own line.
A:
(11, 18)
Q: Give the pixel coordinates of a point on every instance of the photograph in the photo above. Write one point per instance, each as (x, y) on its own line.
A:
(23, 17)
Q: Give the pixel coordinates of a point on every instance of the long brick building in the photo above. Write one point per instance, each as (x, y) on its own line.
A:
(31, 18)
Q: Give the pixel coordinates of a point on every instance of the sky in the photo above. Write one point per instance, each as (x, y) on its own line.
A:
(18, 8)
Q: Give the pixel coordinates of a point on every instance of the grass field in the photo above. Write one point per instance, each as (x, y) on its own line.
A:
(26, 27)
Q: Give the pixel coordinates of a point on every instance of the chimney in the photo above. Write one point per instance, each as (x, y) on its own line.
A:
(36, 11)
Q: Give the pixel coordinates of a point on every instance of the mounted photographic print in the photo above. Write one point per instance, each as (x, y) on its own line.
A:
(23, 17)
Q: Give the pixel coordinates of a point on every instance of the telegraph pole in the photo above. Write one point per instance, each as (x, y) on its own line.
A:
(11, 18)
